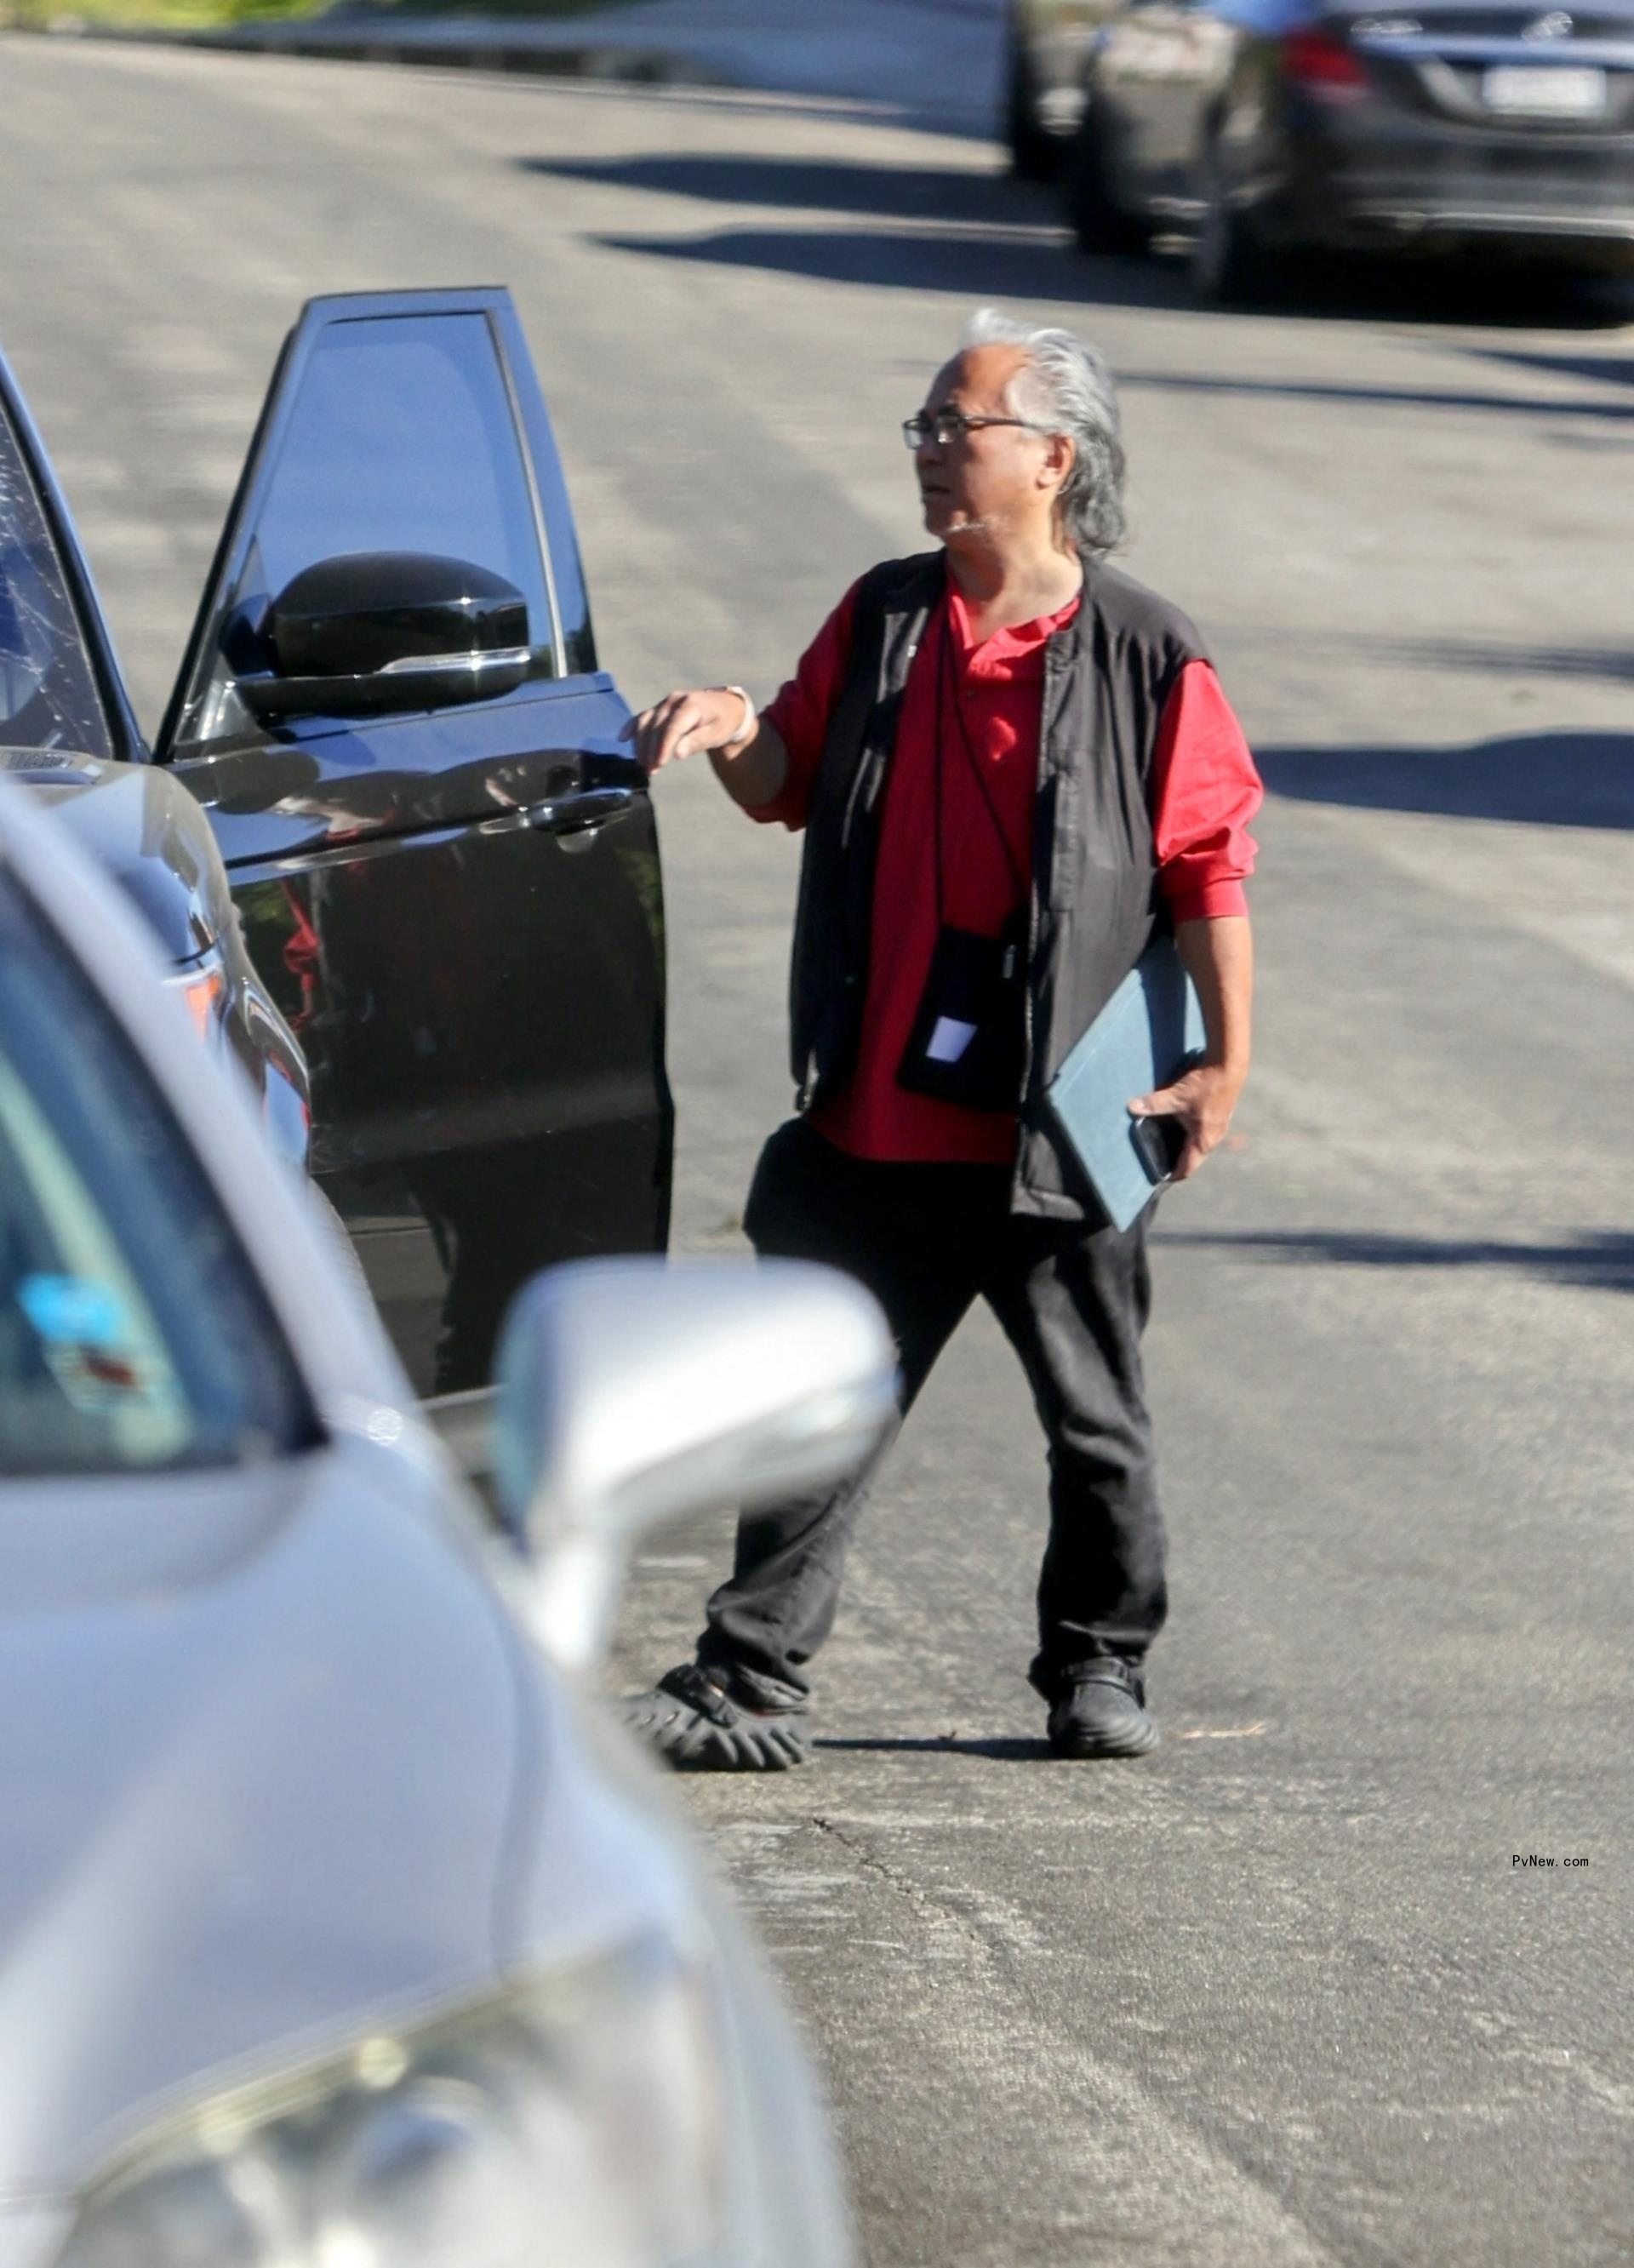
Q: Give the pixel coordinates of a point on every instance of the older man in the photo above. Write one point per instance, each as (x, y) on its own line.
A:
(1013, 766)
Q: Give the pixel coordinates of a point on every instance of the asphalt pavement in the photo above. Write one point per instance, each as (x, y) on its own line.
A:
(1279, 1993)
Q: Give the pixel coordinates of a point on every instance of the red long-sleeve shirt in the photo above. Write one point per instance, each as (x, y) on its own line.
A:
(1205, 790)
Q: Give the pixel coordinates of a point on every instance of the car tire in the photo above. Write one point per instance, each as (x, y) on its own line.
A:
(1034, 155)
(1230, 264)
(1098, 223)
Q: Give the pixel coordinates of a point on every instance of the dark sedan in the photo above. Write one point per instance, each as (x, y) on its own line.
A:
(443, 864)
(1046, 51)
(1265, 128)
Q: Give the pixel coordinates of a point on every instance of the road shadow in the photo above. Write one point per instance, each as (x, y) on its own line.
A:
(1467, 400)
(1008, 239)
(1001, 1751)
(1610, 665)
(1598, 1260)
(996, 263)
(932, 193)
(1605, 370)
(994, 260)
(1549, 779)
(1491, 294)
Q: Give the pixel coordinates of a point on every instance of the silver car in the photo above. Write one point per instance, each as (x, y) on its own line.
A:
(336, 1926)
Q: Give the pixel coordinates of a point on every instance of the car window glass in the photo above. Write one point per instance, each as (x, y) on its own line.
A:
(47, 691)
(133, 1335)
(400, 436)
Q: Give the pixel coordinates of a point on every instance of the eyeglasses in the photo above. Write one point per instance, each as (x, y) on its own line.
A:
(951, 425)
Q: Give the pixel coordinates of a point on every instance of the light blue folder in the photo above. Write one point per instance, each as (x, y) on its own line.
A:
(1139, 1042)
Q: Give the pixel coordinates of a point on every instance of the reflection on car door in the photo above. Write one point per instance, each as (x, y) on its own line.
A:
(459, 912)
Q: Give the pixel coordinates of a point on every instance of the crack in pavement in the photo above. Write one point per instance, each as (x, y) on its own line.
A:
(1091, 2148)
(1011, 1930)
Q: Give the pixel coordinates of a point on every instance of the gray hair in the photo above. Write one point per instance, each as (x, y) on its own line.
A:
(1067, 388)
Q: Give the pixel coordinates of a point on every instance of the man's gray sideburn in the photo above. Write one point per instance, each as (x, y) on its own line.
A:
(1067, 388)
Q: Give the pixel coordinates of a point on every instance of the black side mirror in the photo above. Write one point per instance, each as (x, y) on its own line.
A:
(378, 632)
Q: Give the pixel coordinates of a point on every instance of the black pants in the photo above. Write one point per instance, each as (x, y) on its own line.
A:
(1072, 1300)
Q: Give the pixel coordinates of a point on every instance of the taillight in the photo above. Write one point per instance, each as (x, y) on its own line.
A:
(1323, 65)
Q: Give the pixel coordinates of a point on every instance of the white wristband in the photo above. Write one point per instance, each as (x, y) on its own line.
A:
(751, 718)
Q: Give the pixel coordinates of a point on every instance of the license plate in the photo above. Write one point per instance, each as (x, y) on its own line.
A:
(1545, 91)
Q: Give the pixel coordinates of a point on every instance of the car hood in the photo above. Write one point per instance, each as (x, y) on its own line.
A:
(259, 1741)
(142, 827)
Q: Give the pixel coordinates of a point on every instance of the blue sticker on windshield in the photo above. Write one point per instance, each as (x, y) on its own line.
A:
(74, 1307)
(89, 1343)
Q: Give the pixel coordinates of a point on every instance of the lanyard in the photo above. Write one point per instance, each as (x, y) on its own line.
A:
(945, 672)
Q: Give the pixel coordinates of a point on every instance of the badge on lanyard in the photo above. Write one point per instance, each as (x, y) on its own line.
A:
(968, 1042)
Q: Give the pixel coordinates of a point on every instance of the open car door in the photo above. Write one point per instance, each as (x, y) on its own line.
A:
(445, 862)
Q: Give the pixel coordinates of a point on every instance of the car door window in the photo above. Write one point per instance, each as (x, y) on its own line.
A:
(399, 433)
(48, 693)
(134, 1336)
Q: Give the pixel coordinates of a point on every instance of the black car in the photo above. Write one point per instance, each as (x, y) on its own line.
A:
(1046, 51)
(443, 861)
(1268, 126)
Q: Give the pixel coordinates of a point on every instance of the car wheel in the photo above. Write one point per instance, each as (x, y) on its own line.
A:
(1098, 221)
(1034, 156)
(1229, 267)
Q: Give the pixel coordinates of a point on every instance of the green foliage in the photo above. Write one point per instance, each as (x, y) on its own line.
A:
(158, 15)
(200, 15)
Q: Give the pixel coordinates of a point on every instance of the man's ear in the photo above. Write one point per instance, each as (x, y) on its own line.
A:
(1059, 460)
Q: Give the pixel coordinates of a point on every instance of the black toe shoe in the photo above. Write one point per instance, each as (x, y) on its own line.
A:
(693, 1720)
(1103, 1712)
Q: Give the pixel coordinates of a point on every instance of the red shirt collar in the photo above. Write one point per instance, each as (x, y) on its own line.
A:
(1022, 641)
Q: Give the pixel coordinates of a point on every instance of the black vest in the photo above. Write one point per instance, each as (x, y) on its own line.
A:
(1095, 904)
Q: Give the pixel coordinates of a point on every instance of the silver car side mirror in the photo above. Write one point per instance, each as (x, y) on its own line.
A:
(632, 1391)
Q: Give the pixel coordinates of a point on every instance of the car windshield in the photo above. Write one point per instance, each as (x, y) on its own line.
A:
(48, 693)
(133, 1335)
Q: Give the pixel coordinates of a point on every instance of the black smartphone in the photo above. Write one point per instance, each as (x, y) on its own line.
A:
(1159, 1142)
